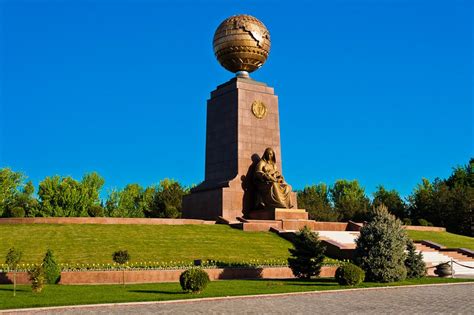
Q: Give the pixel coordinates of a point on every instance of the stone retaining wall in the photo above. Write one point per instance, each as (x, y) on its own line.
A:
(156, 276)
(88, 220)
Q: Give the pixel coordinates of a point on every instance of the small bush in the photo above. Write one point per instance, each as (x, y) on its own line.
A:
(95, 211)
(16, 212)
(52, 272)
(416, 267)
(424, 222)
(36, 275)
(194, 280)
(121, 257)
(407, 221)
(349, 274)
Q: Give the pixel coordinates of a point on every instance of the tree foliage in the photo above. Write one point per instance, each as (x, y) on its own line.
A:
(380, 247)
(307, 255)
(67, 197)
(447, 202)
(349, 200)
(315, 199)
(416, 267)
(392, 200)
(51, 269)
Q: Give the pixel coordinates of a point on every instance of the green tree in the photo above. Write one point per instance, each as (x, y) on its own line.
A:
(51, 269)
(307, 255)
(126, 203)
(349, 200)
(380, 248)
(67, 197)
(315, 199)
(392, 200)
(421, 200)
(416, 267)
(447, 202)
(10, 183)
(24, 203)
(167, 199)
(12, 260)
(121, 257)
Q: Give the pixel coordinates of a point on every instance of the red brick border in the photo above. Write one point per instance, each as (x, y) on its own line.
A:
(156, 276)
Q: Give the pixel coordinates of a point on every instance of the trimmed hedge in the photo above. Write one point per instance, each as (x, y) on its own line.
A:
(194, 280)
(349, 274)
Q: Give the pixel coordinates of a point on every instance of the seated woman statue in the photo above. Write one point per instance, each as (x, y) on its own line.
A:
(272, 191)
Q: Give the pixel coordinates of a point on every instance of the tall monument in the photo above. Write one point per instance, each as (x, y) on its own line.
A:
(242, 124)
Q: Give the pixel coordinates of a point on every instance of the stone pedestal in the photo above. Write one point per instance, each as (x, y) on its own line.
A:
(278, 214)
(235, 139)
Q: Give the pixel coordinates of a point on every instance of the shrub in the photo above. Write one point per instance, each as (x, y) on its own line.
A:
(416, 267)
(308, 254)
(380, 249)
(121, 257)
(349, 274)
(95, 211)
(424, 222)
(194, 280)
(16, 212)
(407, 221)
(36, 275)
(52, 272)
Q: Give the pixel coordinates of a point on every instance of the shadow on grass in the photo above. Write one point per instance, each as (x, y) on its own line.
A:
(17, 290)
(156, 292)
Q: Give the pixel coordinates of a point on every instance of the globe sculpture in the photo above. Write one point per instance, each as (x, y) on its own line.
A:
(241, 44)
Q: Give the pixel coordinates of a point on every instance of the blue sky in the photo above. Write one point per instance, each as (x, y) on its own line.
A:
(379, 91)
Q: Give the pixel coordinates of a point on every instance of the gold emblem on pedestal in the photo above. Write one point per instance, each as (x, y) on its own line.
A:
(259, 109)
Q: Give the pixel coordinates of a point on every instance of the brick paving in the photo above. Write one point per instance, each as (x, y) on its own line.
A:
(438, 299)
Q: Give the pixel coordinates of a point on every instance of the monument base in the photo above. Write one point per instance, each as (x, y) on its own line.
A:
(278, 214)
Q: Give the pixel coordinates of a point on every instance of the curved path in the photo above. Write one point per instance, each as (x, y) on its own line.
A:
(432, 299)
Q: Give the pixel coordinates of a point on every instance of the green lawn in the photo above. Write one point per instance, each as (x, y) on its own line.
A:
(55, 295)
(89, 243)
(444, 238)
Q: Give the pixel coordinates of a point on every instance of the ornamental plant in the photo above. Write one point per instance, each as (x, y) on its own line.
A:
(307, 255)
(380, 248)
(121, 257)
(349, 274)
(36, 275)
(194, 280)
(52, 271)
(416, 267)
(12, 260)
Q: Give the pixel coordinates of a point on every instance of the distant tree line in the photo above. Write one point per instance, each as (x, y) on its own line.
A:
(67, 197)
(442, 202)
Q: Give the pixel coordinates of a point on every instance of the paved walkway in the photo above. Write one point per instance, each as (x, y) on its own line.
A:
(439, 299)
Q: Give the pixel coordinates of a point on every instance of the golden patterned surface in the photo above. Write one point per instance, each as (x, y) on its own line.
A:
(259, 109)
(241, 43)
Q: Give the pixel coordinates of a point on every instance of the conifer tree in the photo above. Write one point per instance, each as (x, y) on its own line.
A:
(380, 250)
(308, 254)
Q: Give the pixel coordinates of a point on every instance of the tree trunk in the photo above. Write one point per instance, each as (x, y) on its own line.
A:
(14, 283)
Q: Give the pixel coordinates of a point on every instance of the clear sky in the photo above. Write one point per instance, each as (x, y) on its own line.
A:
(379, 91)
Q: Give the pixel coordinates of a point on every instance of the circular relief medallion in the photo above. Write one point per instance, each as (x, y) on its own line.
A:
(259, 109)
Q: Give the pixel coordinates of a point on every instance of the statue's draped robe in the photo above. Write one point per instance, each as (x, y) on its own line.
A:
(272, 191)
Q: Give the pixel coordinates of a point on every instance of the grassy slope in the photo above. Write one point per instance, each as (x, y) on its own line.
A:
(444, 238)
(92, 294)
(95, 243)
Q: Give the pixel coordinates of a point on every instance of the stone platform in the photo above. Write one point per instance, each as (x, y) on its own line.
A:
(278, 214)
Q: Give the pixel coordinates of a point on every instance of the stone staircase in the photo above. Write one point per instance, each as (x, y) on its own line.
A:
(434, 254)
